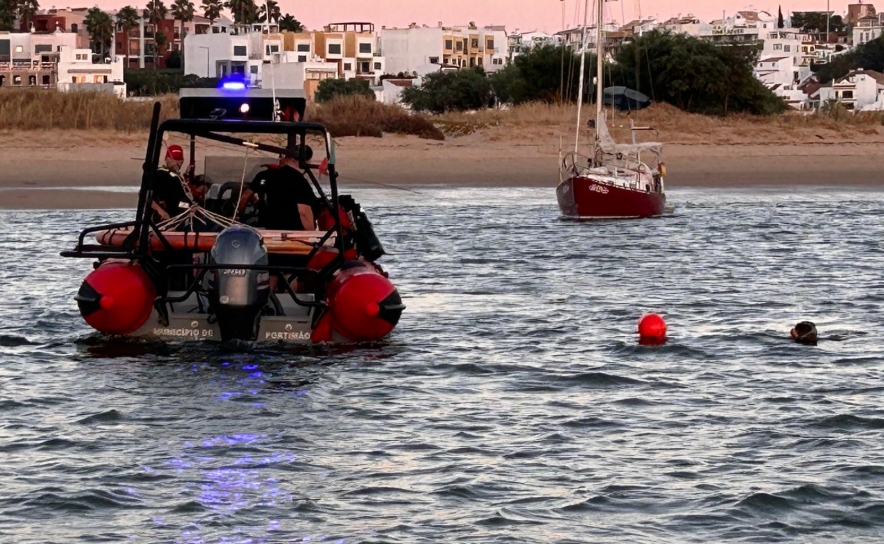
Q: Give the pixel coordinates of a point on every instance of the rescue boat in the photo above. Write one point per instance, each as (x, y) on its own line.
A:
(207, 274)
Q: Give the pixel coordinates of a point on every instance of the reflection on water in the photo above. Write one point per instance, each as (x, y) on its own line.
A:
(512, 404)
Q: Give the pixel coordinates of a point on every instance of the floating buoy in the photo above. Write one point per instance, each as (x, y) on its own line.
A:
(652, 329)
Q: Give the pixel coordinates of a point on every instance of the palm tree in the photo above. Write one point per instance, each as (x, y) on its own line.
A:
(159, 50)
(212, 10)
(245, 12)
(155, 14)
(127, 19)
(288, 23)
(100, 27)
(275, 13)
(26, 11)
(8, 10)
(183, 10)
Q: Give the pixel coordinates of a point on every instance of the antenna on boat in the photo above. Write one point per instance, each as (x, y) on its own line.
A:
(582, 66)
(272, 78)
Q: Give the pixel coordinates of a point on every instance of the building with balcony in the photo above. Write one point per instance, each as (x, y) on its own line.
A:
(867, 29)
(469, 46)
(138, 46)
(340, 51)
(31, 59)
(860, 90)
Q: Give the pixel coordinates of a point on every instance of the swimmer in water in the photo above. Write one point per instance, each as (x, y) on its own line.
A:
(804, 333)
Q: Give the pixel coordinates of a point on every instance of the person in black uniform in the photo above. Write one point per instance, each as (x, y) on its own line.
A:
(169, 187)
(286, 200)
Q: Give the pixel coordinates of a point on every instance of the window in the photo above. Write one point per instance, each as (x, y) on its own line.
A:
(364, 67)
(4, 51)
(348, 66)
(479, 61)
(272, 49)
(42, 49)
(19, 49)
(448, 45)
(302, 58)
(334, 49)
(434, 60)
(45, 80)
(304, 47)
(74, 28)
(96, 79)
(377, 66)
(472, 62)
(240, 51)
(32, 80)
(459, 45)
(474, 43)
(787, 48)
(489, 44)
(847, 94)
(497, 61)
(16, 80)
(45, 58)
(365, 48)
(253, 70)
(777, 47)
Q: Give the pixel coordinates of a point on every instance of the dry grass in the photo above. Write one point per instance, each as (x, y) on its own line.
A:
(32, 109)
(359, 116)
(675, 125)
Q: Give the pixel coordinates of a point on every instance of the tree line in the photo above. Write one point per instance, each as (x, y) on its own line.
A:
(692, 74)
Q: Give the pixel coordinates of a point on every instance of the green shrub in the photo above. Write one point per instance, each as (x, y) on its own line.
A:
(329, 89)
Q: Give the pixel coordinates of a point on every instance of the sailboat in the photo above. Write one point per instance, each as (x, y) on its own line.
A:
(616, 180)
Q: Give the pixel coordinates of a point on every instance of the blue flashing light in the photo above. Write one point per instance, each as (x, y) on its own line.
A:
(233, 86)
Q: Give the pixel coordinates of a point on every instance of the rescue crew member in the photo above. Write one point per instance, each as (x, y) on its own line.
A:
(284, 196)
(170, 188)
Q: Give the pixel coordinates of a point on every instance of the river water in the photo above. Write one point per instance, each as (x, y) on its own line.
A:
(512, 403)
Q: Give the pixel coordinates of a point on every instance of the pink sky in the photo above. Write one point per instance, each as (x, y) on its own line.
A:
(522, 14)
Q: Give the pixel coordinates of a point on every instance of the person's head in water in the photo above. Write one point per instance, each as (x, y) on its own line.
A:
(804, 333)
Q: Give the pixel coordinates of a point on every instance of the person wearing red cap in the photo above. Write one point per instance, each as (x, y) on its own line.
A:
(170, 188)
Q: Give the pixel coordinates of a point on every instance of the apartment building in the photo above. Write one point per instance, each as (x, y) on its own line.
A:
(408, 49)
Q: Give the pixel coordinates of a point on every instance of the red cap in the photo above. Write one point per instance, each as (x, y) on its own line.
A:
(175, 152)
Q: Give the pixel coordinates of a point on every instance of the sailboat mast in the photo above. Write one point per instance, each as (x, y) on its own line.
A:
(582, 66)
(600, 65)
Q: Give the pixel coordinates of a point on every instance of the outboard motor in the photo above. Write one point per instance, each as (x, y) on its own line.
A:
(238, 295)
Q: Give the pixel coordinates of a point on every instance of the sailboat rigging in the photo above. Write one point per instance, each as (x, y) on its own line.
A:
(613, 182)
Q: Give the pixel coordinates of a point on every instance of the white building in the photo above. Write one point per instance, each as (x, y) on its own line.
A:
(469, 46)
(299, 75)
(867, 29)
(30, 59)
(689, 24)
(519, 43)
(221, 55)
(860, 90)
(76, 71)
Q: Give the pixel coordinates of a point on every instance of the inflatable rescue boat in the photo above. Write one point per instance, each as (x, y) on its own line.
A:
(214, 271)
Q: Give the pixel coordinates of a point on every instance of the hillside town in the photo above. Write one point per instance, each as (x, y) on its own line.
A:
(79, 48)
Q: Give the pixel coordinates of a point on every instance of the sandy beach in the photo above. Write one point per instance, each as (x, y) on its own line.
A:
(67, 170)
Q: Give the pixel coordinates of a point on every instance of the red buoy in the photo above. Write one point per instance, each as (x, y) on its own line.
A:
(363, 304)
(652, 327)
(116, 298)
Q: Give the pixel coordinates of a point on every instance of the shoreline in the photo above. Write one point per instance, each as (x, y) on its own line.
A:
(72, 171)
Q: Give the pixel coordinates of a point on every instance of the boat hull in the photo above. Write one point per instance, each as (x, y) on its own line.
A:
(587, 198)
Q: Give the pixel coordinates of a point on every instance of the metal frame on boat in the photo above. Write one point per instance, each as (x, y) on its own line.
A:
(168, 269)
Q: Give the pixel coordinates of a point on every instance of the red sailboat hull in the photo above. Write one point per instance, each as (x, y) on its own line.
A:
(585, 198)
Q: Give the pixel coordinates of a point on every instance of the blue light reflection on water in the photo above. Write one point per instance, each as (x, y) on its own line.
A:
(511, 405)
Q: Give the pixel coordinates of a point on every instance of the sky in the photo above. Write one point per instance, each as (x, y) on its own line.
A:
(525, 15)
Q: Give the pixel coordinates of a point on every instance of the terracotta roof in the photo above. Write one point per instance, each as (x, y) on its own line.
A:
(772, 59)
(877, 76)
